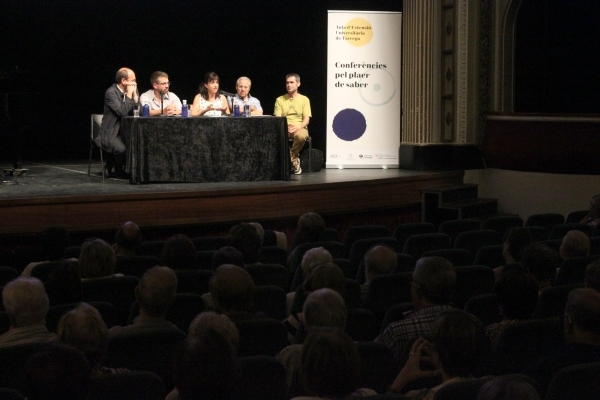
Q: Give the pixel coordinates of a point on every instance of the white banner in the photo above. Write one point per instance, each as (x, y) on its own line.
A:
(363, 89)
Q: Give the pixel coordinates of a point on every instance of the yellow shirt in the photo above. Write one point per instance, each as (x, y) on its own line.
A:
(293, 109)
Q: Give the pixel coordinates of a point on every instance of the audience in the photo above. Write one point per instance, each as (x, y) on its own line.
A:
(155, 294)
(179, 253)
(97, 260)
(593, 217)
(245, 238)
(433, 283)
(225, 255)
(219, 323)
(310, 227)
(592, 276)
(26, 305)
(379, 260)
(54, 241)
(542, 262)
(64, 283)
(574, 244)
(127, 238)
(311, 259)
(508, 387)
(232, 288)
(516, 241)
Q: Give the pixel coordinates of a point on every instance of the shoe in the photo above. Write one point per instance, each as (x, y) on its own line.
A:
(296, 167)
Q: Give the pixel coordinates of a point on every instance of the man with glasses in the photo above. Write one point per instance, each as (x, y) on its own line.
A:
(296, 108)
(119, 101)
(171, 105)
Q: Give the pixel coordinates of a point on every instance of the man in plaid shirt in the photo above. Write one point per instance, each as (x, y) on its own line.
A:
(433, 283)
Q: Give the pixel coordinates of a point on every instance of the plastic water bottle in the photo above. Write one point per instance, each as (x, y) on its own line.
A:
(246, 110)
(236, 110)
(146, 110)
(184, 109)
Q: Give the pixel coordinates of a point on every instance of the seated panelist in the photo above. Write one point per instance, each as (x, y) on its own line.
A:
(171, 105)
(242, 97)
(208, 101)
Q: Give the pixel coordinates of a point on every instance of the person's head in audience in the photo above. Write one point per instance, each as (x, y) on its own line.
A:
(61, 372)
(433, 282)
(594, 213)
(592, 276)
(25, 302)
(325, 308)
(312, 258)
(179, 252)
(233, 289)
(211, 321)
(156, 291)
(84, 329)
(227, 255)
(517, 294)
(310, 227)
(582, 317)
(516, 240)
(64, 283)
(97, 259)
(380, 260)
(326, 276)
(127, 238)
(260, 230)
(508, 387)
(245, 239)
(206, 367)
(54, 242)
(575, 244)
(330, 364)
(541, 261)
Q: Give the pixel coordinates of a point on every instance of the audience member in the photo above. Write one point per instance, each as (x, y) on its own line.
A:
(225, 255)
(127, 238)
(331, 366)
(581, 324)
(246, 240)
(457, 349)
(26, 305)
(259, 230)
(433, 283)
(179, 253)
(323, 308)
(84, 329)
(593, 217)
(542, 262)
(379, 260)
(592, 276)
(575, 244)
(64, 283)
(516, 241)
(232, 288)
(310, 227)
(508, 387)
(54, 241)
(97, 260)
(61, 372)
(517, 294)
(155, 293)
(311, 259)
(211, 321)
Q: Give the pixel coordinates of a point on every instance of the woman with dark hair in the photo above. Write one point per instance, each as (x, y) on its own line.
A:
(331, 366)
(208, 101)
(458, 348)
(179, 253)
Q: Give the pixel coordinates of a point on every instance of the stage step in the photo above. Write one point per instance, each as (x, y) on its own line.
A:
(447, 202)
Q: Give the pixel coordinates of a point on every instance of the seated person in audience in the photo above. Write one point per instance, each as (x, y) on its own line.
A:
(245, 238)
(127, 238)
(61, 372)
(155, 293)
(170, 104)
(97, 260)
(379, 260)
(219, 323)
(508, 387)
(574, 244)
(517, 294)
(457, 349)
(232, 288)
(326, 275)
(516, 241)
(593, 217)
(542, 262)
(64, 284)
(206, 368)
(26, 304)
(54, 241)
(331, 366)
(225, 255)
(208, 101)
(581, 324)
(310, 260)
(310, 228)
(179, 253)
(592, 276)
(433, 283)
(84, 329)
(259, 230)
(323, 308)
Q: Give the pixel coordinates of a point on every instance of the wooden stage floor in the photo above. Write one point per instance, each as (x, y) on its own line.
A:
(61, 193)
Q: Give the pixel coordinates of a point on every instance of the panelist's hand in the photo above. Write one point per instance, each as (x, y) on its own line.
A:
(292, 129)
(131, 89)
(172, 110)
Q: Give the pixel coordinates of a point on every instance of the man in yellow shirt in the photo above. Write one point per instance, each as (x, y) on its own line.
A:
(296, 108)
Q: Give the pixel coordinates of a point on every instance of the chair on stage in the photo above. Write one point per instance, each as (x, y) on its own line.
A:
(96, 122)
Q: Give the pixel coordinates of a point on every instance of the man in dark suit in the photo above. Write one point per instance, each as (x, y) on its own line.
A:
(119, 101)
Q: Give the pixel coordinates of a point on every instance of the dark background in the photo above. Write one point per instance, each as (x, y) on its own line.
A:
(69, 51)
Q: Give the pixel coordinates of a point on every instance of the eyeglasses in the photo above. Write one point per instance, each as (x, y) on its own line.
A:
(164, 83)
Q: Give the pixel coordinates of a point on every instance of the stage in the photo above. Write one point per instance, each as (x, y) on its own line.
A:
(61, 193)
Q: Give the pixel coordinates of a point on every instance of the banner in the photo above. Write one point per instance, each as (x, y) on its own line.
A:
(363, 89)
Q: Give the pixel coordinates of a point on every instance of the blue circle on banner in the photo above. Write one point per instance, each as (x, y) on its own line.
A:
(349, 124)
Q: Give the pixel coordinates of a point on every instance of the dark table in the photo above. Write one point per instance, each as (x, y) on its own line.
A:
(205, 149)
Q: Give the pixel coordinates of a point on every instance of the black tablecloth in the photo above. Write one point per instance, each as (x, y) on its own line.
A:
(204, 149)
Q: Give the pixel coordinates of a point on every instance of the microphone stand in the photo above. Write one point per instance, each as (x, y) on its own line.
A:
(162, 96)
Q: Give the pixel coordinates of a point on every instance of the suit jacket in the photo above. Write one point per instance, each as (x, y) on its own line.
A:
(116, 106)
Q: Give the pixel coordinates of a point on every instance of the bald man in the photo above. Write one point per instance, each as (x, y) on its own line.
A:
(119, 101)
(127, 238)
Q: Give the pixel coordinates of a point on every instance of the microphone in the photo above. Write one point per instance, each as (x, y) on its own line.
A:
(226, 93)
(162, 96)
